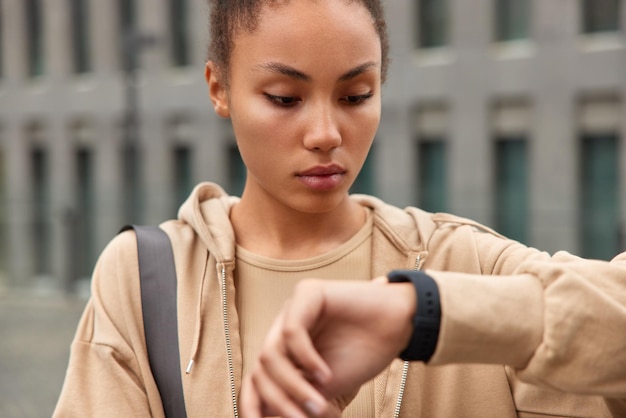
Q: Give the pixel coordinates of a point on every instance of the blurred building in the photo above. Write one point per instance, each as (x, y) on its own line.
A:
(509, 112)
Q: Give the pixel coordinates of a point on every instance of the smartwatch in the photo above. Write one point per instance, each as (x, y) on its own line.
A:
(427, 317)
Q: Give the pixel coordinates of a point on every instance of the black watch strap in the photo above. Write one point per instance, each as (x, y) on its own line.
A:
(427, 319)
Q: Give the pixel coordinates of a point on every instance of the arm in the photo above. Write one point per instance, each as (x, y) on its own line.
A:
(543, 321)
(342, 334)
(559, 321)
(108, 374)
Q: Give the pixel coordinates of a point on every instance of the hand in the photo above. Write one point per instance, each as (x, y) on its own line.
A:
(329, 339)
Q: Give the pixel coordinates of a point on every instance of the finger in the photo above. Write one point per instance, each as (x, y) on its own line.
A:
(275, 364)
(249, 401)
(276, 402)
(299, 318)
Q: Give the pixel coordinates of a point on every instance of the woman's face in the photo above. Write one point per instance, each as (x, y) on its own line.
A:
(304, 97)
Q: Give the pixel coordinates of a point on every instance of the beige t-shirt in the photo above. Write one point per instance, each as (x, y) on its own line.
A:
(264, 284)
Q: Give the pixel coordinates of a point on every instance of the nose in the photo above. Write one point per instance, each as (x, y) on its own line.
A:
(322, 129)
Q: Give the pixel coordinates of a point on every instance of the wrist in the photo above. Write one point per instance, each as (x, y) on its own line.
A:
(427, 315)
(405, 305)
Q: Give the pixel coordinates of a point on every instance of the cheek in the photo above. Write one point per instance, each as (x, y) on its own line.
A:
(363, 135)
(256, 122)
(261, 139)
(364, 125)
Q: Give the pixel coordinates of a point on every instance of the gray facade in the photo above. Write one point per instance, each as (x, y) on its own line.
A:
(553, 86)
(62, 133)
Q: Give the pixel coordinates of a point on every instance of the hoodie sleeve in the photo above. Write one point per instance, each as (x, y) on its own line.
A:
(108, 373)
(559, 321)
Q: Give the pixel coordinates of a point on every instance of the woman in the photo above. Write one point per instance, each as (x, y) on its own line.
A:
(301, 82)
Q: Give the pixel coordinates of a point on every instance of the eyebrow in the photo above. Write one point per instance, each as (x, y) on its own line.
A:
(357, 71)
(286, 70)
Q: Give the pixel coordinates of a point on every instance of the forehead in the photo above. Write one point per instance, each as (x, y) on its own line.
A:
(304, 31)
(260, 7)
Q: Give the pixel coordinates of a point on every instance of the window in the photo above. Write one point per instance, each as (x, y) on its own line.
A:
(432, 30)
(365, 181)
(511, 120)
(179, 130)
(600, 209)
(432, 175)
(511, 19)
(432, 125)
(511, 187)
(80, 36)
(132, 198)
(600, 121)
(4, 248)
(179, 42)
(34, 36)
(183, 174)
(1, 40)
(127, 23)
(236, 171)
(84, 218)
(40, 174)
(600, 16)
(127, 14)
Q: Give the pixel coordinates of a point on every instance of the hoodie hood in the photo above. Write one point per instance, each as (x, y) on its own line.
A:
(207, 211)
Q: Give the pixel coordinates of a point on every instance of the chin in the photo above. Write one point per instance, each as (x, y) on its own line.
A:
(320, 203)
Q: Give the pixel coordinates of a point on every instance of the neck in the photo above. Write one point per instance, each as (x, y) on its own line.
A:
(274, 230)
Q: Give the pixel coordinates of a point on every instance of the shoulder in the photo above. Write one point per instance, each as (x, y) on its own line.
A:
(439, 232)
(446, 220)
(409, 228)
(117, 269)
(404, 220)
(120, 251)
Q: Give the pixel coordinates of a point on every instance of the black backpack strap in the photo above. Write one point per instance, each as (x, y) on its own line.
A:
(158, 300)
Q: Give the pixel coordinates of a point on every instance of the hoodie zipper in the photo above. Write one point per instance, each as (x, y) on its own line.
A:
(229, 348)
(405, 366)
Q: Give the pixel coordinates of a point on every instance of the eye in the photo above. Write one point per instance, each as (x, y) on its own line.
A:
(283, 101)
(355, 100)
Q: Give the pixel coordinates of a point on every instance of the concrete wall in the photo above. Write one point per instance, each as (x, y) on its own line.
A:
(466, 82)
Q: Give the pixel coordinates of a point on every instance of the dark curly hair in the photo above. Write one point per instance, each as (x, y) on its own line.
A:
(228, 16)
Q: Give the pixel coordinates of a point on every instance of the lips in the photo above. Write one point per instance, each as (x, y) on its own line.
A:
(323, 177)
(323, 171)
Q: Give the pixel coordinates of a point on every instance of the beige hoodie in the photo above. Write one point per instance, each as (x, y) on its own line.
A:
(557, 322)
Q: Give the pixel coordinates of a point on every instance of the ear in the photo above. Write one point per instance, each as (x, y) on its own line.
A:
(217, 89)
